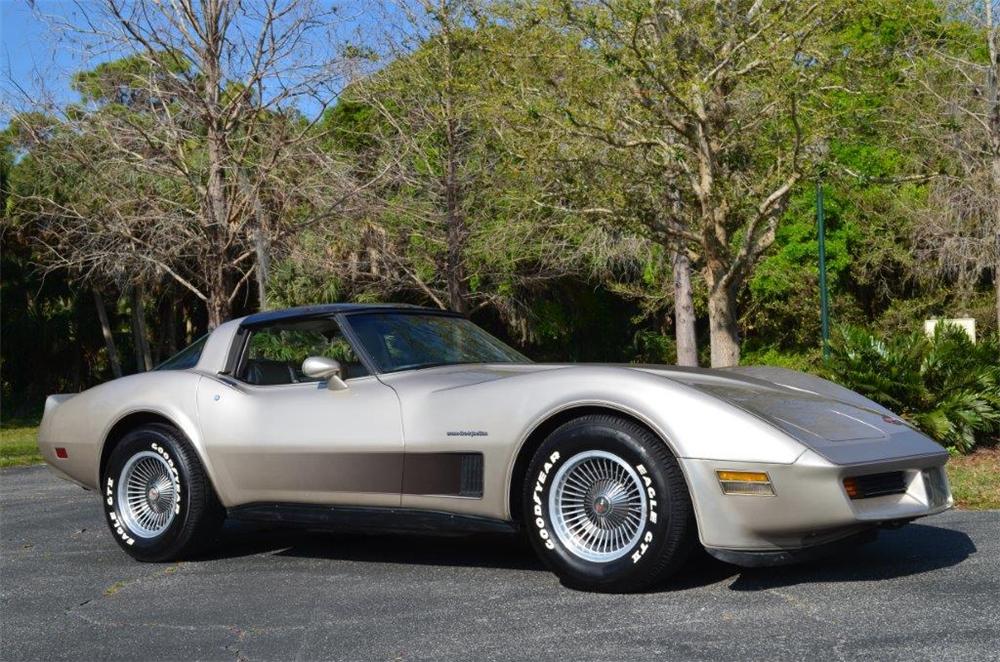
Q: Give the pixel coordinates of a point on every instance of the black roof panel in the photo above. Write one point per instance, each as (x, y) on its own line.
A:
(325, 309)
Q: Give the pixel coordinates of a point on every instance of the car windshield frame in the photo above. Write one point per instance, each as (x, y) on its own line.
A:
(357, 338)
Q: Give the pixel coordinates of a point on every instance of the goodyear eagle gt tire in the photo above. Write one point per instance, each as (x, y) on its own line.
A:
(606, 506)
(157, 499)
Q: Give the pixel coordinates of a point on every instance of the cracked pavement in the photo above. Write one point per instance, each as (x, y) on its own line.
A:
(928, 590)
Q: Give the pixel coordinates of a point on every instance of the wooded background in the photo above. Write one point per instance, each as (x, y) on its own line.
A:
(613, 180)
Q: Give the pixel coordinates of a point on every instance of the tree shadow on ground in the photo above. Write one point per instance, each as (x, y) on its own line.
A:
(911, 550)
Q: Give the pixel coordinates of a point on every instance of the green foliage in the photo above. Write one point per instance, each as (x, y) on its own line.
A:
(295, 345)
(973, 479)
(50, 335)
(558, 282)
(19, 443)
(945, 384)
(783, 301)
(653, 347)
(121, 81)
(293, 284)
(803, 362)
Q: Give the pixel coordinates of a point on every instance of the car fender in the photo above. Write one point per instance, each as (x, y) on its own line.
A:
(83, 424)
(499, 408)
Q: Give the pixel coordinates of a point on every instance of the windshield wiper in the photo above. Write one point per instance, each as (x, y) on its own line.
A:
(430, 364)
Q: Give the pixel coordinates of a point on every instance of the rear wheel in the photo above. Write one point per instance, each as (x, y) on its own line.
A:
(606, 505)
(158, 501)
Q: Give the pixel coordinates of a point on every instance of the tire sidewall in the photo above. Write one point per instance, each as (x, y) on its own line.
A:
(156, 441)
(555, 452)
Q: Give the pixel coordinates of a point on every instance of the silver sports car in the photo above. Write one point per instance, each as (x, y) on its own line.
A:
(399, 418)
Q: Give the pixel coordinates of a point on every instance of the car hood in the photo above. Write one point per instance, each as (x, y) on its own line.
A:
(836, 422)
(791, 400)
(798, 403)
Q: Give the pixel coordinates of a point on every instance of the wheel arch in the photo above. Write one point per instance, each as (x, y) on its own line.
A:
(541, 430)
(139, 417)
(123, 426)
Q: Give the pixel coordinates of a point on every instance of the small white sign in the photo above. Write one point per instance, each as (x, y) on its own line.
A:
(967, 324)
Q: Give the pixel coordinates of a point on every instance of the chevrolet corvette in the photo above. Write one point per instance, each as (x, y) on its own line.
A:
(400, 418)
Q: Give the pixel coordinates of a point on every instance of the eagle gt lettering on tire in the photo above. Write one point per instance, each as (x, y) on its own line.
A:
(606, 505)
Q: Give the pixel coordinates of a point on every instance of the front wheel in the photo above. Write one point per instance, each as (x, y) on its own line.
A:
(158, 501)
(606, 506)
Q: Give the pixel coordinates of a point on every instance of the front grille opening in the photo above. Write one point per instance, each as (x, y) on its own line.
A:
(875, 485)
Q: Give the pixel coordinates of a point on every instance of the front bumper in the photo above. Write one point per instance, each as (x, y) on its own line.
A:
(810, 506)
(766, 559)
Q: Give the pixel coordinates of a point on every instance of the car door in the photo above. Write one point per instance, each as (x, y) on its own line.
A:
(274, 435)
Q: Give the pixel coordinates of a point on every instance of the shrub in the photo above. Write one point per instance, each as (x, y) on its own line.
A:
(946, 385)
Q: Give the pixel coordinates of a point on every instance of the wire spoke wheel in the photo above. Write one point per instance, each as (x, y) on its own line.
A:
(597, 506)
(148, 494)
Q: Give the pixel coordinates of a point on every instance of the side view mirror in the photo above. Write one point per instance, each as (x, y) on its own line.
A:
(321, 367)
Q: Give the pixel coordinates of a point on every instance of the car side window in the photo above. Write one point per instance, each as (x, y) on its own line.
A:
(274, 354)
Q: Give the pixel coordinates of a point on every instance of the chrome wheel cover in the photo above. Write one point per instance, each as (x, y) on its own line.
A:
(597, 506)
(148, 494)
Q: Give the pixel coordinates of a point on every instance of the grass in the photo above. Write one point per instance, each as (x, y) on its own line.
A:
(19, 443)
(974, 478)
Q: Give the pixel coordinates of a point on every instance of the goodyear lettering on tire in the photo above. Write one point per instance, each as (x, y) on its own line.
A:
(536, 496)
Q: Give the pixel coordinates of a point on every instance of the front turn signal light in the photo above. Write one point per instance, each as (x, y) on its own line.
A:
(746, 483)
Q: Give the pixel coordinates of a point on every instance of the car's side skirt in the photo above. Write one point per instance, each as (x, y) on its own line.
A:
(369, 519)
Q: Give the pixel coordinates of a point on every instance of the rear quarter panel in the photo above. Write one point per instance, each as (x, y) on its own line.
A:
(82, 423)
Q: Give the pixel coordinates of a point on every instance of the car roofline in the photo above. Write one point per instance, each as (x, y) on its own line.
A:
(331, 309)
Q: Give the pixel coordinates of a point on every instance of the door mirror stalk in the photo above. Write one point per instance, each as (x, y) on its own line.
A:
(322, 367)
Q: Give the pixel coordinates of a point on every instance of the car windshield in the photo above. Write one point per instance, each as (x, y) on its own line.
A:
(406, 341)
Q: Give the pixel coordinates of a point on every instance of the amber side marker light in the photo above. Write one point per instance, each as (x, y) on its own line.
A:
(746, 483)
(851, 486)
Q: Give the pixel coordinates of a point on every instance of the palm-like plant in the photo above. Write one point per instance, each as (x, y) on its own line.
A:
(945, 384)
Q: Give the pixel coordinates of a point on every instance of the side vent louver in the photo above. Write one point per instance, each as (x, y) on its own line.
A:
(472, 475)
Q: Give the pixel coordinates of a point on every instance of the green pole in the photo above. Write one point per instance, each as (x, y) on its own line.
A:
(824, 295)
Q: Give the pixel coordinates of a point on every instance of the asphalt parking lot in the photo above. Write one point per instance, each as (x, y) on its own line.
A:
(928, 591)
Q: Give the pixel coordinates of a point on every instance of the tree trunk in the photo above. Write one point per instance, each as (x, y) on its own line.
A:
(457, 233)
(217, 305)
(687, 345)
(261, 241)
(458, 288)
(996, 282)
(143, 360)
(996, 290)
(188, 325)
(993, 113)
(215, 205)
(722, 322)
(109, 339)
(78, 340)
(170, 323)
(263, 266)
